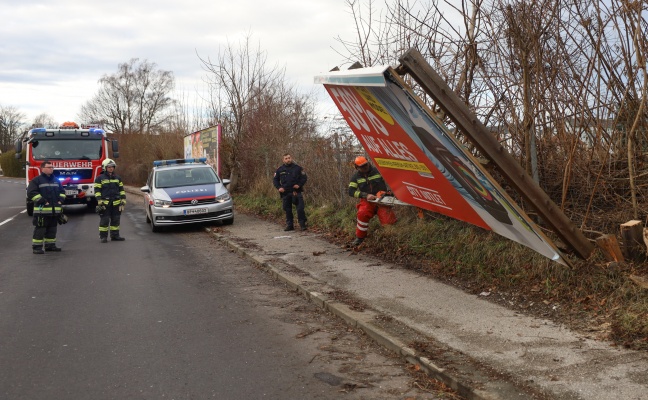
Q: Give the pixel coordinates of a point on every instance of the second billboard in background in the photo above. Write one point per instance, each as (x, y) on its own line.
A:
(205, 143)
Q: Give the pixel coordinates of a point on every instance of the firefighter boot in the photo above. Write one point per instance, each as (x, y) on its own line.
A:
(357, 242)
(52, 248)
(38, 250)
(117, 238)
(103, 239)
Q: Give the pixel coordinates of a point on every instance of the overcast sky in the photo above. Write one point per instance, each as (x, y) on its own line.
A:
(52, 53)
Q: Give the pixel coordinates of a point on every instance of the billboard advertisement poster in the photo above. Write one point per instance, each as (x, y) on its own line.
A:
(422, 161)
(205, 143)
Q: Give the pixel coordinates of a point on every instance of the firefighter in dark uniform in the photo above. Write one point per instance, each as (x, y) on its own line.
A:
(365, 184)
(111, 199)
(290, 179)
(47, 194)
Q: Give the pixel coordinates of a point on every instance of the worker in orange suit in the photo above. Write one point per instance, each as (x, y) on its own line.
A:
(365, 184)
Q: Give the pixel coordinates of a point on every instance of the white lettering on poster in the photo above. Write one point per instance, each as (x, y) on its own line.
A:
(426, 195)
(350, 104)
(377, 124)
(397, 150)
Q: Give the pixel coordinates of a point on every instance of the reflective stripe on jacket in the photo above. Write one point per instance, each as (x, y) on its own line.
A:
(43, 190)
(109, 189)
(361, 185)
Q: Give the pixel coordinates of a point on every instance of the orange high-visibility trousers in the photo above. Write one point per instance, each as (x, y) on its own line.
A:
(366, 211)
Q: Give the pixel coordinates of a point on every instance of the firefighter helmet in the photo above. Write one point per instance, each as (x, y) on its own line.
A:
(360, 161)
(108, 163)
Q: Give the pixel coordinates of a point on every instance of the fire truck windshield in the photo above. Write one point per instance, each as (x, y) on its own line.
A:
(53, 149)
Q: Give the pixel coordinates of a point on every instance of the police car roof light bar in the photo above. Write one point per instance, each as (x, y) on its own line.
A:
(158, 163)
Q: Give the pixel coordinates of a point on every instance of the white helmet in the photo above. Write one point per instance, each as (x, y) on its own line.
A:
(108, 163)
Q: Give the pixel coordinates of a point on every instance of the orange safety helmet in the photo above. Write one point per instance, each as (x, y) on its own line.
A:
(360, 161)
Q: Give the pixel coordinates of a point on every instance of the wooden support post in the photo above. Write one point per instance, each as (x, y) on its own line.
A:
(610, 248)
(633, 244)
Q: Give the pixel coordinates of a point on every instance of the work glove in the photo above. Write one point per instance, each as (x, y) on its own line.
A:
(62, 219)
(121, 207)
(100, 209)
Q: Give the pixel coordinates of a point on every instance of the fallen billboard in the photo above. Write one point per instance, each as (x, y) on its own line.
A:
(421, 160)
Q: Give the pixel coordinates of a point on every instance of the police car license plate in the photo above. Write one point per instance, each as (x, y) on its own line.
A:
(195, 211)
(71, 192)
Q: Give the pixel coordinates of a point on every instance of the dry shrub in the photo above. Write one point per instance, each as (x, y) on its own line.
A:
(264, 188)
(328, 170)
(137, 153)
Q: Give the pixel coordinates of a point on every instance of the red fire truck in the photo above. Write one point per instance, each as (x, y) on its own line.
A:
(76, 153)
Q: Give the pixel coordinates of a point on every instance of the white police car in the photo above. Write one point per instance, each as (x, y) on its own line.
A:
(186, 191)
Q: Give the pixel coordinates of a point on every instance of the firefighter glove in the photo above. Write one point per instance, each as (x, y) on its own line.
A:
(100, 209)
(62, 219)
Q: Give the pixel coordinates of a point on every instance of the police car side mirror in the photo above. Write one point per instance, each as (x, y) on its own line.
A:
(145, 189)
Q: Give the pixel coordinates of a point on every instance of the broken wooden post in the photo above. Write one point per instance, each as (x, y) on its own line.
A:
(633, 244)
(610, 248)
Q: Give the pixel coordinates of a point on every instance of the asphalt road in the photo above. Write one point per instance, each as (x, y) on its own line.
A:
(171, 315)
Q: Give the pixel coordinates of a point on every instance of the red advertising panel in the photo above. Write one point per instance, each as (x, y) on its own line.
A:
(421, 160)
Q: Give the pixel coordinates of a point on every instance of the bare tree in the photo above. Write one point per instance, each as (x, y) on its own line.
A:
(562, 85)
(133, 100)
(45, 120)
(236, 77)
(11, 124)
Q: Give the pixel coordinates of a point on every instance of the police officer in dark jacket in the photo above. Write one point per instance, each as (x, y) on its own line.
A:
(47, 194)
(111, 200)
(290, 179)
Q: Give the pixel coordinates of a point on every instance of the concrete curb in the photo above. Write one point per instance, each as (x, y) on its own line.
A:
(362, 320)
